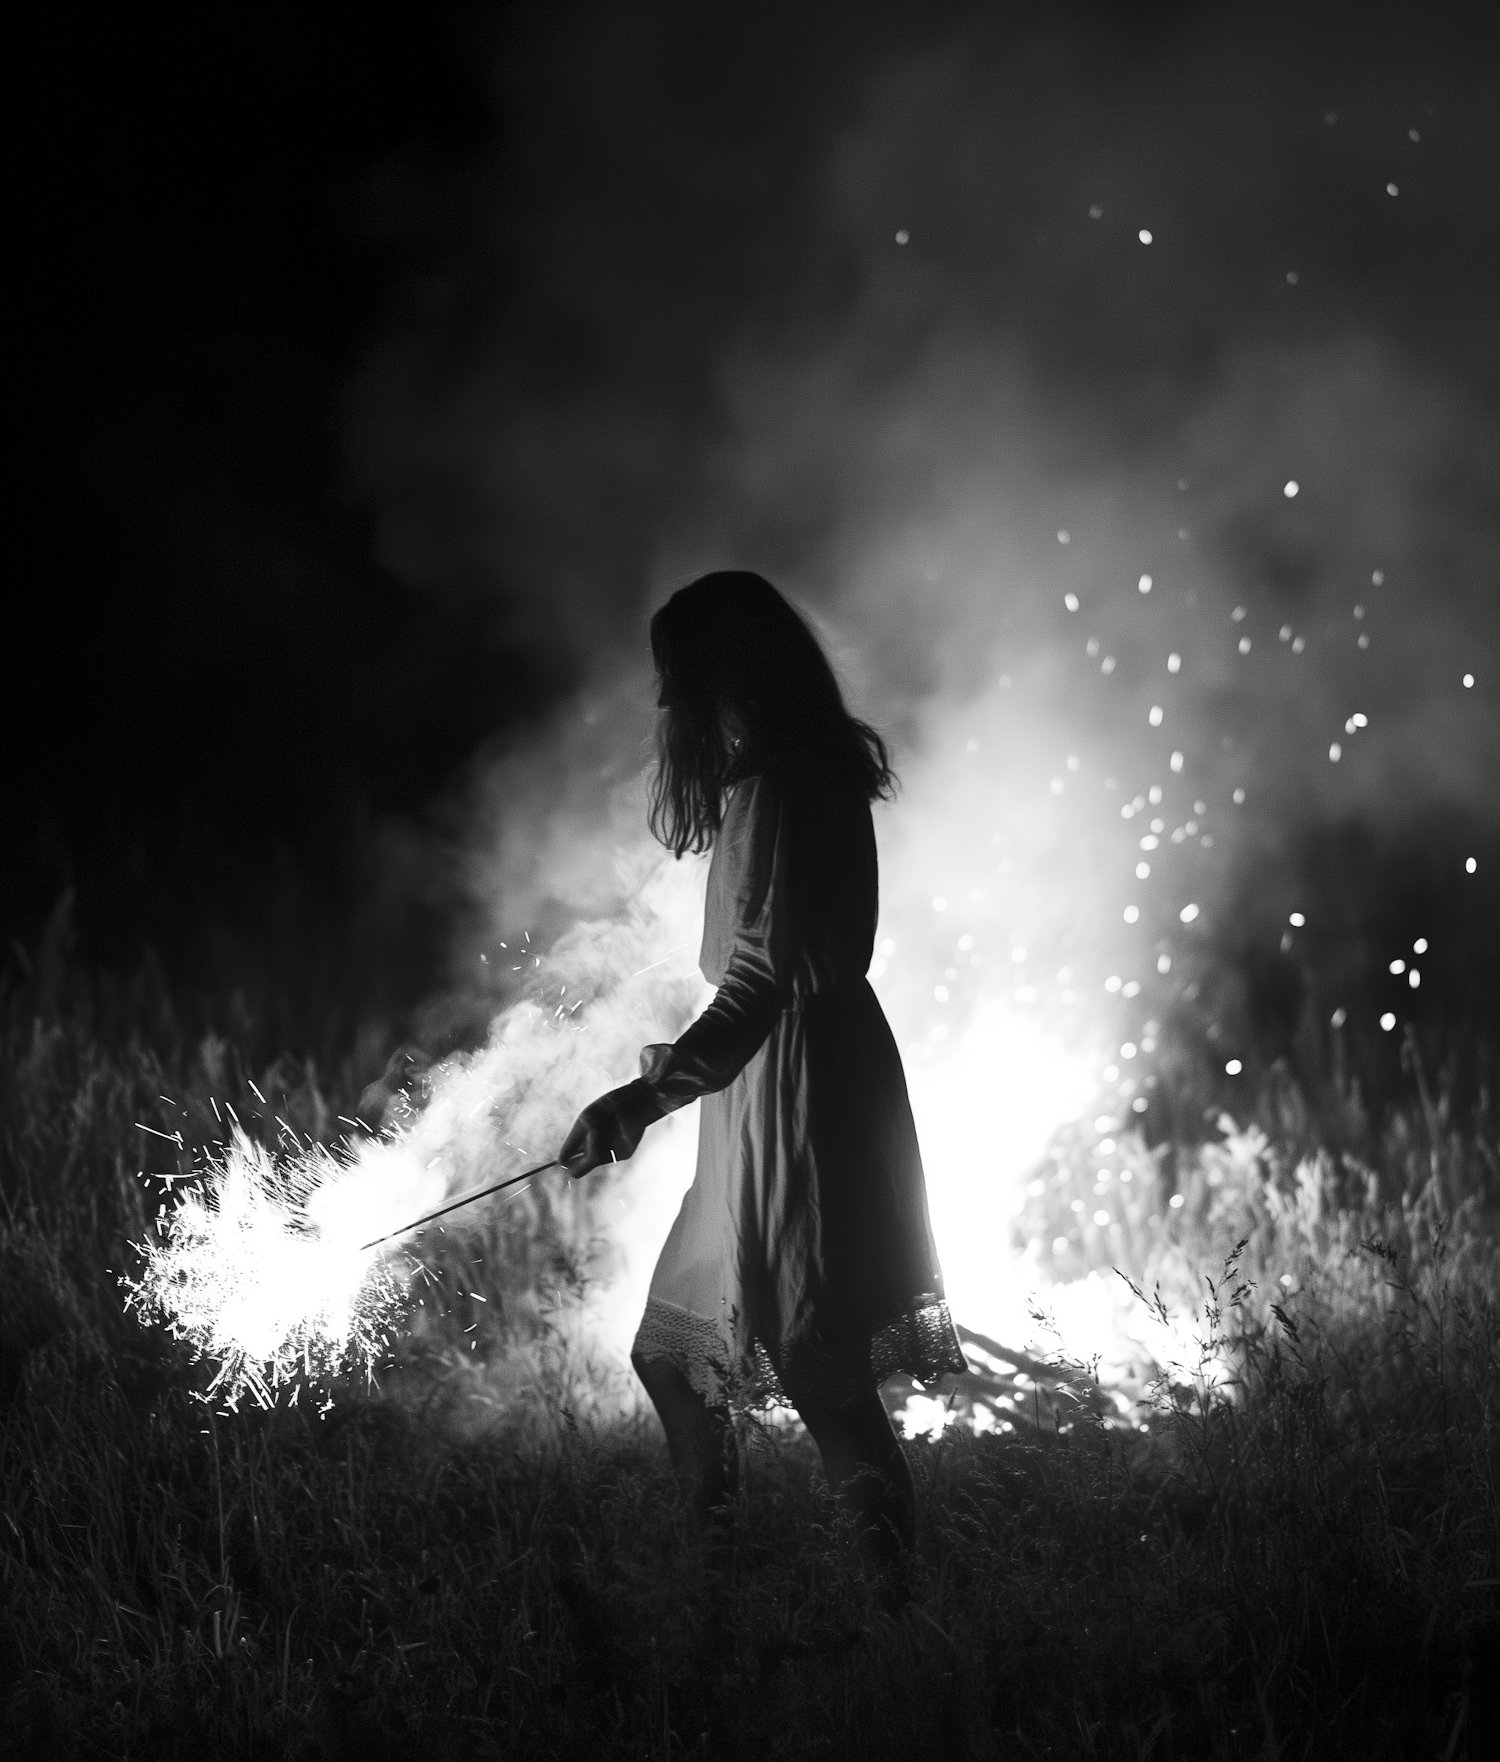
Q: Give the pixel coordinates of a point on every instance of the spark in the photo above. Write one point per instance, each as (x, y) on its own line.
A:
(655, 964)
(258, 1270)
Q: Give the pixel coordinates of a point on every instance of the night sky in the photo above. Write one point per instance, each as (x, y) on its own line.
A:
(377, 378)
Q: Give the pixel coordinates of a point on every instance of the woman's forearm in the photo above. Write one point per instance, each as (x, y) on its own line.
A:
(711, 1053)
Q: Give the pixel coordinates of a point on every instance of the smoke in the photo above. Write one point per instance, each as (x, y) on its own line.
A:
(1122, 405)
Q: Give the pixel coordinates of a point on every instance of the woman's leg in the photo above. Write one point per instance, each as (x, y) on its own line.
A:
(700, 1438)
(868, 1470)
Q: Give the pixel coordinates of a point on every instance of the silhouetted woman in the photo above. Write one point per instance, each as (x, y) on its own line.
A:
(801, 1263)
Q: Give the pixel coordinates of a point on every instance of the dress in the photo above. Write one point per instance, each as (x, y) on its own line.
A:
(801, 1266)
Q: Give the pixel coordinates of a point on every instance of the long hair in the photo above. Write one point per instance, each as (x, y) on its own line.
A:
(744, 684)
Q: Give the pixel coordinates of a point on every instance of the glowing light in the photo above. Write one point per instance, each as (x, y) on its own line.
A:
(1339, 1017)
(1290, 488)
(1144, 236)
(1233, 1067)
(1244, 645)
(1101, 1217)
(939, 904)
(1176, 761)
(1142, 871)
(1129, 1049)
(1006, 1081)
(1296, 920)
(1188, 914)
(1163, 965)
(1096, 212)
(1174, 663)
(1066, 537)
(1414, 978)
(1155, 717)
(1335, 752)
(1419, 946)
(1070, 600)
(1132, 914)
(1176, 1202)
(1470, 866)
(1391, 190)
(924, 1416)
(1468, 681)
(260, 1268)
(903, 237)
(1299, 643)
(1144, 584)
(1113, 982)
(1387, 1021)
(1107, 665)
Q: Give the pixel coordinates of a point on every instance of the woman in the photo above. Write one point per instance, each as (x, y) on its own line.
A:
(801, 1264)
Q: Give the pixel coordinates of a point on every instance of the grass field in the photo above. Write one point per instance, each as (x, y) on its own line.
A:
(482, 1558)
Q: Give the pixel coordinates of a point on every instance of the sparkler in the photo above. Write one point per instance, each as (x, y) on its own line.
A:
(263, 1271)
(468, 1199)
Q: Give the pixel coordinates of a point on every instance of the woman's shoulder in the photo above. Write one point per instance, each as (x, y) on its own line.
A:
(794, 794)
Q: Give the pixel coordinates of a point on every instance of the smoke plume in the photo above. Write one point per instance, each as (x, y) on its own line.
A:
(1122, 406)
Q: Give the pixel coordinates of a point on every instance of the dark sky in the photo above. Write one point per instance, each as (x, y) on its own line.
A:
(201, 271)
(375, 375)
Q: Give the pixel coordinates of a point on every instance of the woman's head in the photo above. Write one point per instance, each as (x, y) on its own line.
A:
(744, 682)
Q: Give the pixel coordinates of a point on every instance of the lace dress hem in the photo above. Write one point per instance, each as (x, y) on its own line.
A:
(812, 1372)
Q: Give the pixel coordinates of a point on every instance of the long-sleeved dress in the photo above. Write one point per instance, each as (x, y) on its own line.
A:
(801, 1265)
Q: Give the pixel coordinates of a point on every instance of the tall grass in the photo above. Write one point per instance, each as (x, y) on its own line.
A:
(1284, 1545)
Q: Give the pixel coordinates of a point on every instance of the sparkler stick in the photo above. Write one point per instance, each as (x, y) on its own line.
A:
(468, 1199)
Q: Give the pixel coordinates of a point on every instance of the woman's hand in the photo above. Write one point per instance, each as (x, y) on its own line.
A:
(609, 1129)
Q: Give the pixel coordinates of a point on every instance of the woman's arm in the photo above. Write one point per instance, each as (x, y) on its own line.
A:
(755, 989)
(756, 986)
